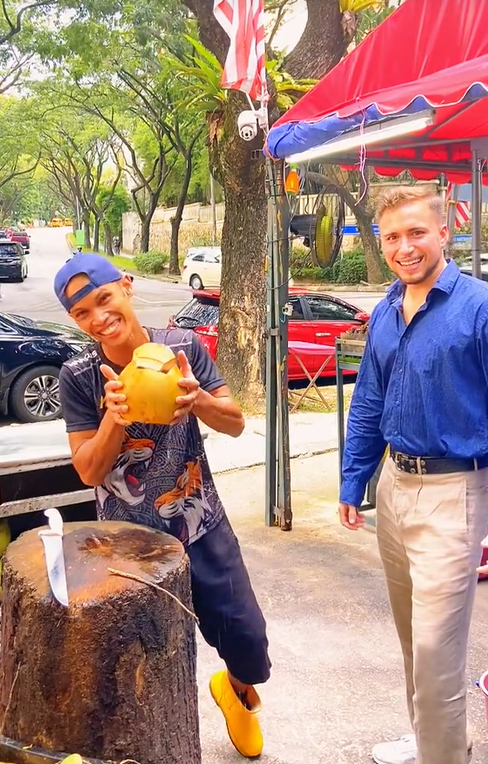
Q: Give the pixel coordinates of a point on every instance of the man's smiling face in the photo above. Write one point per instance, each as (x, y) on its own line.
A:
(412, 239)
(105, 313)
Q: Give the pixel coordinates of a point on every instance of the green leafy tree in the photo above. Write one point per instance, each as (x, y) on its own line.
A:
(113, 200)
(117, 74)
(240, 168)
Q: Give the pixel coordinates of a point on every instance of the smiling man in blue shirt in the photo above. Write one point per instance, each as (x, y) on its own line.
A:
(422, 393)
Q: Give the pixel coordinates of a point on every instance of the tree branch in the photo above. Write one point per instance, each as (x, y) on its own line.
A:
(14, 26)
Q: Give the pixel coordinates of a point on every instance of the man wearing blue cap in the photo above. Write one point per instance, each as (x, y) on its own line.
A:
(159, 475)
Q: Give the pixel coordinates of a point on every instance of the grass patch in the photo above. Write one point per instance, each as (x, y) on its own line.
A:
(314, 404)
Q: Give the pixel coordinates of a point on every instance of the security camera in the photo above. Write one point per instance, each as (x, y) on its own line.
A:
(247, 124)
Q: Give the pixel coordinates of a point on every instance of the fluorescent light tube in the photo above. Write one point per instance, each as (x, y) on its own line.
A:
(356, 139)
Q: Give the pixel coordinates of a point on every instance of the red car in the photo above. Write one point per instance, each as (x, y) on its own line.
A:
(21, 237)
(316, 319)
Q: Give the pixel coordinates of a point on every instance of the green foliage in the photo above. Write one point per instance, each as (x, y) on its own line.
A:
(201, 77)
(350, 269)
(151, 263)
(200, 73)
(114, 207)
(302, 267)
(286, 86)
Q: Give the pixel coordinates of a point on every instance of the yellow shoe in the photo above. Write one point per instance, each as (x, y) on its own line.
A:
(242, 724)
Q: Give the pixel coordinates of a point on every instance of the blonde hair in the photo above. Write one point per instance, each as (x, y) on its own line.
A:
(392, 198)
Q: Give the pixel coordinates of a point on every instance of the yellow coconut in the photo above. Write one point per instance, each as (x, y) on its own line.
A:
(151, 384)
(74, 758)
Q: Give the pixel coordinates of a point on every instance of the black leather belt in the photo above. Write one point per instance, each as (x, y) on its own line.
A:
(427, 465)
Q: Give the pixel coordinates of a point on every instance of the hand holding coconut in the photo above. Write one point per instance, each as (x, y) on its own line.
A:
(147, 390)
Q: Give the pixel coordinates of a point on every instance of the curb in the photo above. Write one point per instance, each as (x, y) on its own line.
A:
(313, 286)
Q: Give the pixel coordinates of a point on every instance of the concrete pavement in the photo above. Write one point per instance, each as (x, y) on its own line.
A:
(309, 434)
(337, 680)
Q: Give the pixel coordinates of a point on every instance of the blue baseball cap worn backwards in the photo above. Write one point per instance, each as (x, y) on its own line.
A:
(97, 269)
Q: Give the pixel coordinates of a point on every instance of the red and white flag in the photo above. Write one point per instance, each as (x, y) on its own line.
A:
(463, 214)
(243, 21)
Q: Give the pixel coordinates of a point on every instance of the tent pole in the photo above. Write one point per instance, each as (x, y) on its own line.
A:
(451, 210)
(476, 213)
(278, 489)
(271, 499)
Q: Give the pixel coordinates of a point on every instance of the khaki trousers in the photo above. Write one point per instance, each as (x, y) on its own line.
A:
(429, 531)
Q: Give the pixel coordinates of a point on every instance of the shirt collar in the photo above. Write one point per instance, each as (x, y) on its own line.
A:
(445, 283)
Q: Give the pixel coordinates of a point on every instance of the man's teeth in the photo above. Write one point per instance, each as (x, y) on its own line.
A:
(406, 263)
(110, 329)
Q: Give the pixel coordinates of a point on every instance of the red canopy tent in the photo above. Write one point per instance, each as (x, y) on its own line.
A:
(425, 56)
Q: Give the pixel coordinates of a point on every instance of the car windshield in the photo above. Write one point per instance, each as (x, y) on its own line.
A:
(8, 249)
(197, 313)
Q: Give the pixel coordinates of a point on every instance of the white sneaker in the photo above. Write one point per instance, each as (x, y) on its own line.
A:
(401, 751)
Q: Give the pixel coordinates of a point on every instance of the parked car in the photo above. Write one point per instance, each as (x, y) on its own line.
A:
(315, 318)
(21, 237)
(202, 267)
(31, 355)
(13, 262)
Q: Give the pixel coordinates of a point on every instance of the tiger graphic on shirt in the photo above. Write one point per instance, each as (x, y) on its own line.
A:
(123, 480)
(182, 507)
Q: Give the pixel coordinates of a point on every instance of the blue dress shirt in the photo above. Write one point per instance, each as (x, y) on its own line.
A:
(421, 388)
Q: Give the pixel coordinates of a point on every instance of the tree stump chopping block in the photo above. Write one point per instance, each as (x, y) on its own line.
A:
(113, 675)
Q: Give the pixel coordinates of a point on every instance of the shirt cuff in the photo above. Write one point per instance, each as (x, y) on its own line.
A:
(352, 493)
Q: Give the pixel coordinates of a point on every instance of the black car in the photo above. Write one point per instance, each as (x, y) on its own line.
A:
(13, 262)
(31, 355)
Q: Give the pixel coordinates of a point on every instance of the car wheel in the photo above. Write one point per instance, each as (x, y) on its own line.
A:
(196, 282)
(34, 396)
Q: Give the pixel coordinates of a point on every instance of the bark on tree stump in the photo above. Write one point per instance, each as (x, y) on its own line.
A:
(112, 676)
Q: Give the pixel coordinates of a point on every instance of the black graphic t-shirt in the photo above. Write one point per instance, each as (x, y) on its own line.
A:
(161, 477)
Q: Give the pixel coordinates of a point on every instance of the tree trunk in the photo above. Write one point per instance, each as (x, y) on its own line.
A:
(108, 239)
(145, 232)
(86, 228)
(113, 675)
(374, 263)
(96, 235)
(174, 265)
(322, 44)
(243, 282)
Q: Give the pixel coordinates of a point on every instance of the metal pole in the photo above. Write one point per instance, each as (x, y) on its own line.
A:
(281, 298)
(340, 409)
(212, 204)
(271, 499)
(476, 213)
(278, 492)
(451, 210)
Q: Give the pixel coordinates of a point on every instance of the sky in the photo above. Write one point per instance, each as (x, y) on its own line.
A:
(292, 29)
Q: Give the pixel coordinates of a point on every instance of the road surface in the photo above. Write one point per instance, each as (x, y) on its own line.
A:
(155, 301)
